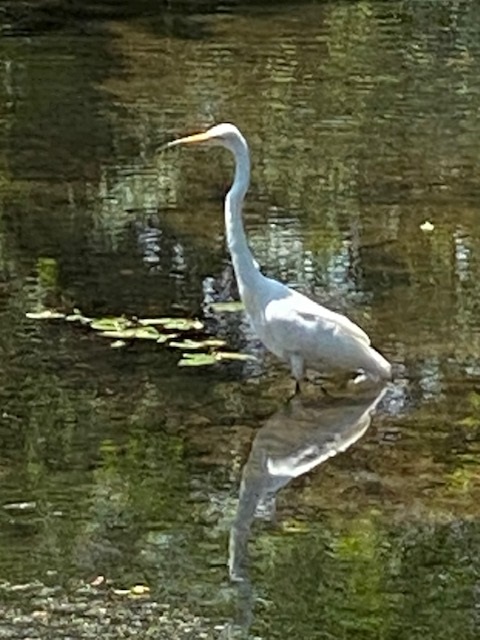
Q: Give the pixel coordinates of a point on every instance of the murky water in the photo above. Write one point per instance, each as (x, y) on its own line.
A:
(117, 467)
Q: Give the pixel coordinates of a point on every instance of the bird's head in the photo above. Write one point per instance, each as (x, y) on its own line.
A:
(221, 135)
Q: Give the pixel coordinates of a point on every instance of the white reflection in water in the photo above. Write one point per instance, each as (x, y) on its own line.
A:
(279, 246)
(462, 255)
(294, 440)
(281, 251)
(431, 378)
(148, 239)
(178, 261)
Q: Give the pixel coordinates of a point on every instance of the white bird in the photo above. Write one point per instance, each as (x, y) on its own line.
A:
(296, 329)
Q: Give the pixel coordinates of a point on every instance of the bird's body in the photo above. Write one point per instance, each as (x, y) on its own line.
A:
(296, 329)
(309, 336)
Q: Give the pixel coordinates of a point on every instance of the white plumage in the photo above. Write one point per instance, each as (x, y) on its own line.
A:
(296, 329)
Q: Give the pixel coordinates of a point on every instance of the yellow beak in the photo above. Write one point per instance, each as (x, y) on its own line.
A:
(193, 139)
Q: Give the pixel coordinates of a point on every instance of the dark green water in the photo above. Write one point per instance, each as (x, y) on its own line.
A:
(363, 121)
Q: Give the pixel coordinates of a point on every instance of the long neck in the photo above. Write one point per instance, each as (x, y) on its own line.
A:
(246, 270)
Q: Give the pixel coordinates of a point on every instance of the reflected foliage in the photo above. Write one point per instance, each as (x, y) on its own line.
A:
(411, 581)
(363, 124)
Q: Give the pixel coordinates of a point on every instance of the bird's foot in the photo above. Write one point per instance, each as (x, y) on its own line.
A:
(316, 383)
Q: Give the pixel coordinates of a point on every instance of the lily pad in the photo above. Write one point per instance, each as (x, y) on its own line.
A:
(118, 344)
(192, 345)
(175, 324)
(109, 324)
(131, 333)
(146, 333)
(165, 337)
(231, 306)
(197, 359)
(78, 317)
(45, 314)
(213, 342)
(227, 355)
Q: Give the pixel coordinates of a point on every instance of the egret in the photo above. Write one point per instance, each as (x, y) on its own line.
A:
(293, 327)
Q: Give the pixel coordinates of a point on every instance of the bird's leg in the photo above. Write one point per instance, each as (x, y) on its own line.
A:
(298, 369)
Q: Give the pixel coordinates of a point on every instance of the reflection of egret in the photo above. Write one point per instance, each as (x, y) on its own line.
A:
(294, 440)
(293, 327)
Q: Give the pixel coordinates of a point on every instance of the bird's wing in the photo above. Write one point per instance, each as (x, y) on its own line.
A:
(307, 310)
(325, 316)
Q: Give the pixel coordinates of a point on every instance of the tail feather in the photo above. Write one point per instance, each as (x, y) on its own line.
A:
(380, 367)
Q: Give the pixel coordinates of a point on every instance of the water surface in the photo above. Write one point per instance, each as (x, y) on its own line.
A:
(117, 467)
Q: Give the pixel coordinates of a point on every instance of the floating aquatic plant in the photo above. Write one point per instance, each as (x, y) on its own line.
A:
(233, 355)
(45, 314)
(175, 324)
(197, 359)
(231, 306)
(131, 333)
(118, 344)
(122, 328)
(205, 359)
(193, 345)
(163, 330)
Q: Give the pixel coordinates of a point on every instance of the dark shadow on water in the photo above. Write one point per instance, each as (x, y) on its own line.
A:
(164, 17)
(76, 16)
(302, 434)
